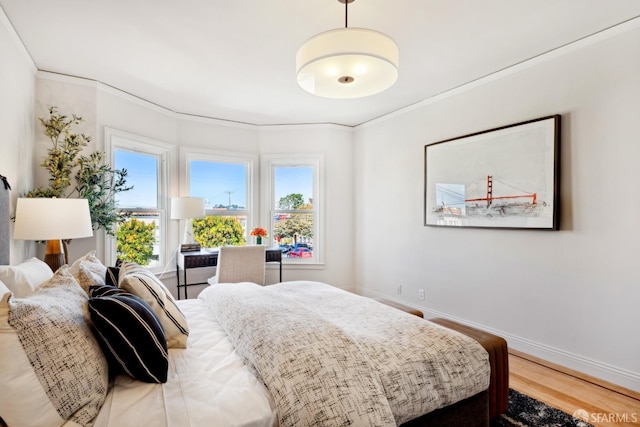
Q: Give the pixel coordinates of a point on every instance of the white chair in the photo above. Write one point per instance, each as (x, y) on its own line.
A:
(240, 264)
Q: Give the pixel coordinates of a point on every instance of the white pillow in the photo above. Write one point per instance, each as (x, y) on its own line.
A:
(88, 271)
(23, 279)
(144, 284)
(52, 369)
(3, 290)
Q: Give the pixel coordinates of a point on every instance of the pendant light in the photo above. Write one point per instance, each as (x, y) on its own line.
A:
(347, 62)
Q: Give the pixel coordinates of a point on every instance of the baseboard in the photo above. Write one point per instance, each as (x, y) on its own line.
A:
(599, 370)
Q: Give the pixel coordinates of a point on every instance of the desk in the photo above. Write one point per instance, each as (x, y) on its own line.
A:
(209, 258)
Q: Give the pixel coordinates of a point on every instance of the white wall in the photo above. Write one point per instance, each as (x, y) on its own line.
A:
(335, 143)
(103, 107)
(569, 296)
(17, 97)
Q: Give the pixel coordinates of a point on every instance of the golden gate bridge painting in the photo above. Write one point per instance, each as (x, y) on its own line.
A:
(507, 177)
(452, 200)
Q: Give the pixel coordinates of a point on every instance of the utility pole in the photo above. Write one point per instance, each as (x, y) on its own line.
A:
(229, 193)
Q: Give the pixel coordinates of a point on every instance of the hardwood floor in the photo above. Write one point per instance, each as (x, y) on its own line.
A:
(605, 404)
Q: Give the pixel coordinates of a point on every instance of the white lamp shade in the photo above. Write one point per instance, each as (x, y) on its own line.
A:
(52, 219)
(347, 63)
(187, 207)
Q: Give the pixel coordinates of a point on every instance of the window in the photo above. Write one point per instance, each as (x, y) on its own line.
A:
(294, 205)
(225, 181)
(142, 237)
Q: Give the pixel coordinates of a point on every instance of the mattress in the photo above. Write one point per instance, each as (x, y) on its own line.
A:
(208, 385)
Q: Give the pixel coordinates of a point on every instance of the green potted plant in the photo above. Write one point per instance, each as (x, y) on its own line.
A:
(93, 179)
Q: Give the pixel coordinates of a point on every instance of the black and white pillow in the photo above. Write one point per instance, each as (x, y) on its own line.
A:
(111, 276)
(130, 334)
(52, 369)
(143, 283)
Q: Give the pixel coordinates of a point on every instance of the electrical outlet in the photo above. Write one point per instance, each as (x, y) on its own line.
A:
(399, 290)
(420, 293)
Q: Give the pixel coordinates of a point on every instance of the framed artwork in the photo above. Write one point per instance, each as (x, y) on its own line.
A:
(506, 177)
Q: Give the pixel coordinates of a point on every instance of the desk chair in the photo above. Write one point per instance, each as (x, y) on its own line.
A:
(240, 264)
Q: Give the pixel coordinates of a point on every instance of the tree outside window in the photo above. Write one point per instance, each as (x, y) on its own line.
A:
(294, 212)
(224, 181)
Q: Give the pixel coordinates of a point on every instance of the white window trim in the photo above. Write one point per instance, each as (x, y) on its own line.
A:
(268, 162)
(249, 160)
(115, 138)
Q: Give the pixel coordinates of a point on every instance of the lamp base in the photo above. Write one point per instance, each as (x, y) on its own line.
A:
(54, 257)
(188, 237)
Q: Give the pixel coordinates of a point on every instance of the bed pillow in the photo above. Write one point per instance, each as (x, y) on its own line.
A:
(130, 334)
(53, 370)
(4, 290)
(23, 279)
(88, 271)
(143, 283)
(112, 275)
(87, 278)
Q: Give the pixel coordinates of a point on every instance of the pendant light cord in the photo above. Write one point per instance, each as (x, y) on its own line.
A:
(346, 13)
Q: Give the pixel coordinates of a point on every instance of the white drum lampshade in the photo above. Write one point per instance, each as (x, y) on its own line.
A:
(53, 220)
(347, 63)
(187, 208)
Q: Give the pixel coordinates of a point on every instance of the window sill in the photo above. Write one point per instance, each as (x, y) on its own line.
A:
(297, 266)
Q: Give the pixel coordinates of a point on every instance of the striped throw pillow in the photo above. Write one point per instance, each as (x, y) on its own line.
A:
(130, 334)
(143, 283)
(111, 276)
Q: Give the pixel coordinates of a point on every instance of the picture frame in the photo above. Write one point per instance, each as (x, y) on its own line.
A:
(506, 177)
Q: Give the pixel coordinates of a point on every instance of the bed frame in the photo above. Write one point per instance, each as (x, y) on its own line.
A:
(470, 412)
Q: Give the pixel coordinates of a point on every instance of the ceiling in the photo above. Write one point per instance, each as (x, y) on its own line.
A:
(235, 60)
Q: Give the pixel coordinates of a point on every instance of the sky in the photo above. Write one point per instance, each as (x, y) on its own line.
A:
(142, 173)
(290, 180)
(216, 182)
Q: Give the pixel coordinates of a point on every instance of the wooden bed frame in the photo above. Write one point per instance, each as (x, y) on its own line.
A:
(470, 412)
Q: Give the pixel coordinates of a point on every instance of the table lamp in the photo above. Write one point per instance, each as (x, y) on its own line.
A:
(187, 208)
(53, 220)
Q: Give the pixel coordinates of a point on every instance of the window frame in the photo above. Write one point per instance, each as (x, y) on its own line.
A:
(187, 154)
(316, 161)
(117, 139)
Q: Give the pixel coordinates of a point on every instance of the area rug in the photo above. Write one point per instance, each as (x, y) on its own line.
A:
(525, 411)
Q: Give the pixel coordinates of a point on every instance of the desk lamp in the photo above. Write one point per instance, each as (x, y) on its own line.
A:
(187, 208)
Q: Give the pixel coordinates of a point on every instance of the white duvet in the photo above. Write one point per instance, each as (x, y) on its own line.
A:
(329, 357)
(208, 385)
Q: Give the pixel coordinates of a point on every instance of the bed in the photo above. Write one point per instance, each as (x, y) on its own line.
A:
(296, 353)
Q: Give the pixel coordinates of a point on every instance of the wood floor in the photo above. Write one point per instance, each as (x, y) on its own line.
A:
(605, 404)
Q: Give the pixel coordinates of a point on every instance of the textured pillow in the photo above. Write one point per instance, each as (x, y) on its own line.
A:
(87, 278)
(52, 369)
(130, 334)
(23, 279)
(144, 284)
(88, 271)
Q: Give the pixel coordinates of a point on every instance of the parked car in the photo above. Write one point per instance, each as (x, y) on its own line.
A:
(302, 245)
(285, 248)
(300, 253)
